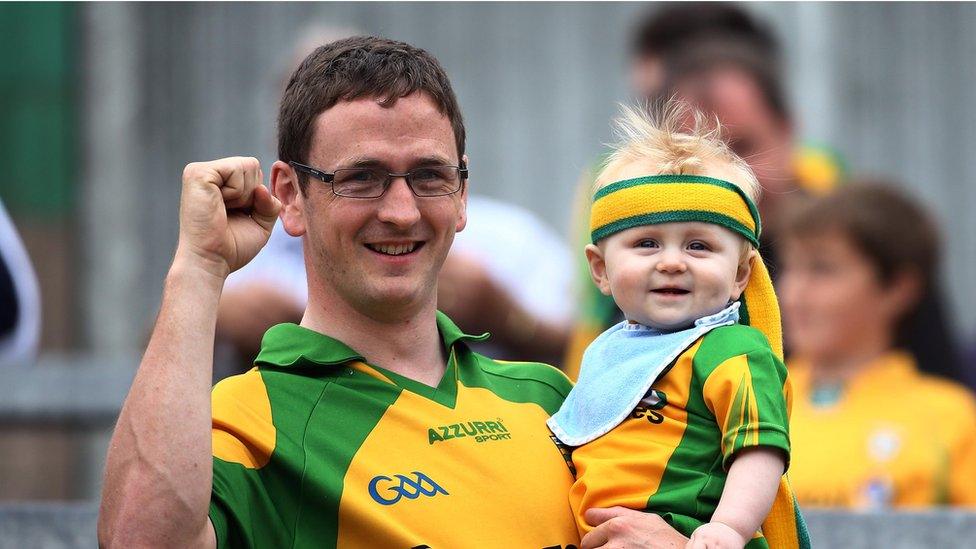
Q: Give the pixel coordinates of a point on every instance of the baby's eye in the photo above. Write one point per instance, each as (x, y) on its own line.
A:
(698, 246)
(647, 243)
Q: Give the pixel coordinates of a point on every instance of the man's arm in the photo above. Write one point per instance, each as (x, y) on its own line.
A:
(158, 474)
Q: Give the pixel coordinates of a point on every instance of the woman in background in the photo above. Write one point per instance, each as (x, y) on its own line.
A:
(869, 429)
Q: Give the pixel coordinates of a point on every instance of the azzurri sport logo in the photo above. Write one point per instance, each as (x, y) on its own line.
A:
(481, 431)
(387, 491)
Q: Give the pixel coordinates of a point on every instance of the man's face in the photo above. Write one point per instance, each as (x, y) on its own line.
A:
(752, 129)
(380, 255)
(647, 76)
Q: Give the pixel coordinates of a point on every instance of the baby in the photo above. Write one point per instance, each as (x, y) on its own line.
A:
(682, 409)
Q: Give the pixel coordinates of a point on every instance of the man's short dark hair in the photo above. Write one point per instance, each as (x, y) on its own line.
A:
(354, 68)
(672, 27)
(710, 55)
(696, 37)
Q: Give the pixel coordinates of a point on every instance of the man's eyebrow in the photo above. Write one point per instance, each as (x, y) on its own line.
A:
(432, 161)
(371, 162)
(361, 162)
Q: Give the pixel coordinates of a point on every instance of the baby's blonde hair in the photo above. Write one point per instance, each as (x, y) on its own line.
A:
(656, 135)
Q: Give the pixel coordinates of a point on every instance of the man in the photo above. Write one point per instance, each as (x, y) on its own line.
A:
(372, 423)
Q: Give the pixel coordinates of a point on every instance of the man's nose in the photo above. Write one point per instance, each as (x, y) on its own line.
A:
(398, 205)
(671, 260)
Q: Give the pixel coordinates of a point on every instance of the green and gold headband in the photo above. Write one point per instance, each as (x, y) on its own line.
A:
(658, 199)
(670, 199)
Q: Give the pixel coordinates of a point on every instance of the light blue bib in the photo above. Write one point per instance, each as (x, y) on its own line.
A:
(618, 369)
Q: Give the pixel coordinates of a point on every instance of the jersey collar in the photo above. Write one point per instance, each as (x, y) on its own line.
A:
(292, 345)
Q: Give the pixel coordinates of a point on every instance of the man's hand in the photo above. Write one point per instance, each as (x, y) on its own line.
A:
(226, 214)
(715, 535)
(621, 528)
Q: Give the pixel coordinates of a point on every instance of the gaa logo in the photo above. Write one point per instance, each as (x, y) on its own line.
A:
(387, 491)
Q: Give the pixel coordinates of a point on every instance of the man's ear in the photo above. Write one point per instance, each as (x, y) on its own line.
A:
(284, 185)
(463, 196)
(742, 273)
(598, 268)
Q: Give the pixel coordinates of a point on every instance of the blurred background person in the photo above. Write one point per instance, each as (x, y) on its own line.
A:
(508, 273)
(725, 62)
(20, 300)
(869, 428)
(969, 364)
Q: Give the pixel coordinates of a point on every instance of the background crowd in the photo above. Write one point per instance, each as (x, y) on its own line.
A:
(865, 236)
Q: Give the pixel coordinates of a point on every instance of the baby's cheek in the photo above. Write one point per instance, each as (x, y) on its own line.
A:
(626, 288)
(628, 282)
(717, 297)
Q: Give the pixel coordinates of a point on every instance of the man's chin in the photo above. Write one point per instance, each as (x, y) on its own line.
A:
(400, 295)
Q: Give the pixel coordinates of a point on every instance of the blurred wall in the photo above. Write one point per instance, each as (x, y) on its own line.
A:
(165, 84)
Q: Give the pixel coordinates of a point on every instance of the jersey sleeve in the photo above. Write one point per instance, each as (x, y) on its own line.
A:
(228, 506)
(962, 458)
(748, 395)
(243, 438)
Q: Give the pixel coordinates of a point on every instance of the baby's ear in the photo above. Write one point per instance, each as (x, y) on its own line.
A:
(742, 273)
(598, 268)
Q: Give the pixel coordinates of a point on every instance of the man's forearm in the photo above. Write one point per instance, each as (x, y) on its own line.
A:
(159, 467)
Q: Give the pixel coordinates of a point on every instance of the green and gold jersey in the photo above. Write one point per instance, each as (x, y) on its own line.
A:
(905, 439)
(315, 448)
(726, 392)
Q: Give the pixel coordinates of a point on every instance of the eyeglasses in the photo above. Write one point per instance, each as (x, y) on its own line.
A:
(373, 182)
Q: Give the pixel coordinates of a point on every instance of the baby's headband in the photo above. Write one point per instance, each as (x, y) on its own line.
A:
(682, 198)
(672, 198)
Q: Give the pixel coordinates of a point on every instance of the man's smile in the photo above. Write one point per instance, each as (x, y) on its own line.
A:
(395, 248)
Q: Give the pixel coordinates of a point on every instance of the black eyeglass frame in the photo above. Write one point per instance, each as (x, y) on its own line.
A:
(329, 178)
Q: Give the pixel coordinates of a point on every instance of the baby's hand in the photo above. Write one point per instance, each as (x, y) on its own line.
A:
(715, 535)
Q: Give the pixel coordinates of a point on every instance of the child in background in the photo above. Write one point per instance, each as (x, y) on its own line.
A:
(682, 409)
(859, 265)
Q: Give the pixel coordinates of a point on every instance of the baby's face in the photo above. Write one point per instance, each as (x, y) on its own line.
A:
(668, 275)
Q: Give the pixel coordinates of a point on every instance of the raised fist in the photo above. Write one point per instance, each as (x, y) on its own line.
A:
(226, 214)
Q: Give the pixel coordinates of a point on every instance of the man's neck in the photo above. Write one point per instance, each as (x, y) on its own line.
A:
(405, 342)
